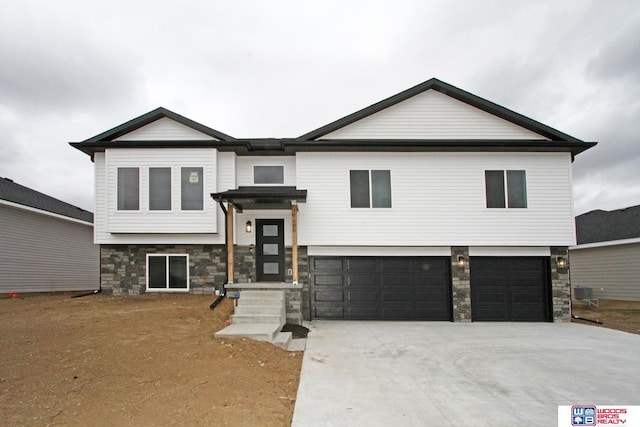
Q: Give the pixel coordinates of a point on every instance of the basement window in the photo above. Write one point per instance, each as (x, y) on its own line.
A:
(167, 272)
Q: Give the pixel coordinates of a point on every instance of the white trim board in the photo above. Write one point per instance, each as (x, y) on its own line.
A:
(509, 251)
(379, 251)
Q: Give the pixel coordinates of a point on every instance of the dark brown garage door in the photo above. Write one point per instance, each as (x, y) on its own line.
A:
(510, 289)
(384, 288)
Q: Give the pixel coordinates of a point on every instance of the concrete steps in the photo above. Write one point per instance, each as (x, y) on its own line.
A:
(260, 315)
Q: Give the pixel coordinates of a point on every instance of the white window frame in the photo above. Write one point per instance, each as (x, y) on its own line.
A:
(167, 289)
(284, 173)
(505, 182)
(370, 178)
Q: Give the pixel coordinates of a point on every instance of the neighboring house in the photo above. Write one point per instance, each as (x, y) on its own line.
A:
(433, 204)
(45, 244)
(607, 257)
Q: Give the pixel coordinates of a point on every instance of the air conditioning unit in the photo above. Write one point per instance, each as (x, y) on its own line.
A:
(582, 293)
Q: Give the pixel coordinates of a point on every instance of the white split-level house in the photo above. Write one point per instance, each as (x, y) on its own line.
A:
(433, 204)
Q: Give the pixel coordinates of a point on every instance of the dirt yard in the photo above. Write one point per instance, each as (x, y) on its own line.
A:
(148, 360)
(621, 315)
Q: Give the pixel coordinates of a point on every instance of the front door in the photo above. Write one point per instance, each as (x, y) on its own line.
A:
(270, 250)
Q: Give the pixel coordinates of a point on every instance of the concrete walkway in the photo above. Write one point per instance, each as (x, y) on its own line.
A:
(450, 374)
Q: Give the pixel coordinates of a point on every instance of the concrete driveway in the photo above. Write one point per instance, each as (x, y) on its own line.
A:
(450, 374)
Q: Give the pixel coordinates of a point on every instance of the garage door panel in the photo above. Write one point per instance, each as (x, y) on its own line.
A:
(397, 264)
(329, 280)
(362, 280)
(329, 312)
(361, 264)
(385, 287)
(360, 296)
(395, 279)
(328, 295)
(363, 313)
(398, 314)
(327, 264)
(510, 289)
(393, 297)
(430, 297)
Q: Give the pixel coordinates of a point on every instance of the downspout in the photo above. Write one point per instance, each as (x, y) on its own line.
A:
(226, 245)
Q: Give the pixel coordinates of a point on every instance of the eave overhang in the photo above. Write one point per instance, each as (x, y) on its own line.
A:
(267, 197)
(288, 147)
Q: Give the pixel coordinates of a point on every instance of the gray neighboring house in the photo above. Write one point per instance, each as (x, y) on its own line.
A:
(46, 244)
(607, 257)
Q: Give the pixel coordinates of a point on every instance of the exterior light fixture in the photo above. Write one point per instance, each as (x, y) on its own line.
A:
(461, 261)
(561, 262)
(248, 227)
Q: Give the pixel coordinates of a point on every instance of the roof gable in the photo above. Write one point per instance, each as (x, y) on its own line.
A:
(160, 122)
(165, 129)
(605, 226)
(21, 195)
(432, 115)
(425, 102)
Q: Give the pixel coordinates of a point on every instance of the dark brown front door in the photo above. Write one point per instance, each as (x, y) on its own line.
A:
(270, 250)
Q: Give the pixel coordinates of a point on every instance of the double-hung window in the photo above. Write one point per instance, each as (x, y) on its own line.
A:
(501, 193)
(370, 189)
(167, 272)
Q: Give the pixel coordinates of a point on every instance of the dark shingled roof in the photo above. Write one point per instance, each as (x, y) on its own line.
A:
(16, 193)
(604, 226)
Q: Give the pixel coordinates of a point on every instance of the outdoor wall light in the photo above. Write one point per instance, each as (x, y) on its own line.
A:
(561, 262)
(248, 227)
(461, 261)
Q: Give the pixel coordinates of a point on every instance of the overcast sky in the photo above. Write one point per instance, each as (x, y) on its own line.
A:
(72, 69)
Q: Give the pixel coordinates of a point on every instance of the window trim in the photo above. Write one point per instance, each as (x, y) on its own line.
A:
(370, 188)
(505, 190)
(167, 288)
(284, 174)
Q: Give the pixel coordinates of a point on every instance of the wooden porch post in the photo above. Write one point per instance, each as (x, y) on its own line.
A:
(230, 243)
(294, 241)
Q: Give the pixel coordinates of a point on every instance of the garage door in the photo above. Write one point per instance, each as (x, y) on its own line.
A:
(510, 289)
(385, 288)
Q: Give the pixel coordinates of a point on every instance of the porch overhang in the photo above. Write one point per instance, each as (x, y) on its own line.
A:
(266, 197)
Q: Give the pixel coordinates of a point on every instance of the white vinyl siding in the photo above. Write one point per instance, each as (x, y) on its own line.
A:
(176, 220)
(432, 115)
(42, 253)
(165, 129)
(438, 200)
(614, 269)
(246, 164)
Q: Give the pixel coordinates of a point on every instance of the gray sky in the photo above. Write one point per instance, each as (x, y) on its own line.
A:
(71, 69)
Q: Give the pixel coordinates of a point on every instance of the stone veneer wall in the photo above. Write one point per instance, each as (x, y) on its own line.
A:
(123, 267)
(298, 306)
(560, 285)
(461, 285)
